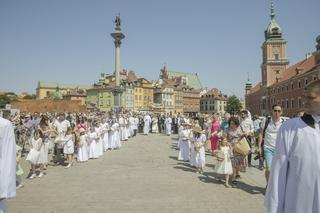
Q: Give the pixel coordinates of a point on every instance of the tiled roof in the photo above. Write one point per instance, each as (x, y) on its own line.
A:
(256, 88)
(48, 84)
(193, 79)
(299, 68)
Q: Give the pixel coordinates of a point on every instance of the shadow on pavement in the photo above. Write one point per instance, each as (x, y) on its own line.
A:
(186, 169)
(173, 157)
(250, 189)
(174, 146)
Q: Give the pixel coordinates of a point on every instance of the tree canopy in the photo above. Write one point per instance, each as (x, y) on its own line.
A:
(234, 105)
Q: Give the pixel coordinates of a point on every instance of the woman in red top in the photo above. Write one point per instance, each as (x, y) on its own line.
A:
(214, 132)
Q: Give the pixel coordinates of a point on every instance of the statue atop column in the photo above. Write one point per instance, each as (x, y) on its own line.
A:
(117, 21)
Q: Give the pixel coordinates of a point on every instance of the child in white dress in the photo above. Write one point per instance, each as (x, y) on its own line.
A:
(224, 165)
(198, 158)
(92, 138)
(83, 149)
(68, 147)
(35, 151)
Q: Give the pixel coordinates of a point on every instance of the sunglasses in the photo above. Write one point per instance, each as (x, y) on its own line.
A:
(277, 110)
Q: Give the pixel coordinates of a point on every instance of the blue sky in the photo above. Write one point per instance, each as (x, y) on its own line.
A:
(68, 41)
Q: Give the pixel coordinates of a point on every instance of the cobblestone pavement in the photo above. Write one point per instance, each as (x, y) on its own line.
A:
(143, 176)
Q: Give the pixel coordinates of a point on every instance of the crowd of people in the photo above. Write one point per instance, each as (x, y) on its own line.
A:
(289, 149)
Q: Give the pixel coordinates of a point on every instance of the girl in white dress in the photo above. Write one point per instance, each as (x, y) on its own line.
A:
(105, 136)
(68, 146)
(197, 150)
(36, 144)
(184, 143)
(116, 135)
(92, 138)
(83, 149)
(224, 165)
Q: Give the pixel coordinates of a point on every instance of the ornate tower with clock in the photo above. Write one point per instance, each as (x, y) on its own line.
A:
(274, 53)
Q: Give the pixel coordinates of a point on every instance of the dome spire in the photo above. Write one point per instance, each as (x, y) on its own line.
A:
(272, 10)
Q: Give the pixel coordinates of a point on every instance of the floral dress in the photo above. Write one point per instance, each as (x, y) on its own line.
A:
(234, 136)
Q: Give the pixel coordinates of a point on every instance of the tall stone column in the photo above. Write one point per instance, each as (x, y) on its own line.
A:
(117, 90)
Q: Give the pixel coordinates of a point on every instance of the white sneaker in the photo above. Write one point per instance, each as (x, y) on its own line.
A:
(69, 165)
(33, 176)
(40, 174)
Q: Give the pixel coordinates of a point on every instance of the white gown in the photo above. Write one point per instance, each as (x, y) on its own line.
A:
(83, 150)
(122, 129)
(184, 145)
(7, 160)
(198, 159)
(116, 136)
(92, 146)
(294, 183)
(147, 122)
(168, 123)
(225, 166)
(105, 137)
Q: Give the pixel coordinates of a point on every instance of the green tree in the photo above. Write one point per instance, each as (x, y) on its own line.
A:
(30, 97)
(55, 96)
(234, 105)
(4, 100)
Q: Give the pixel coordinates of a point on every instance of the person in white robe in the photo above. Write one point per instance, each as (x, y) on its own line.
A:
(184, 143)
(147, 123)
(7, 163)
(197, 149)
(126, 128)
(131, 123)
(294, 182)
(92, 138)
(135, 125)
(116, 135)
(167, 124)
(122, 128)
(82, 149)
(155, 128)
(105, 136)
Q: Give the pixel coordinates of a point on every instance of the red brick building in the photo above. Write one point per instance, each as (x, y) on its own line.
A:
(46, 105)
(281, 84)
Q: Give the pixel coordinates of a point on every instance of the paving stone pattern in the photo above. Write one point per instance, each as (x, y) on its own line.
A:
(143, 176)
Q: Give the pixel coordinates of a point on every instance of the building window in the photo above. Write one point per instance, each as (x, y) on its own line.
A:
(299, 103)
(292, 103)
(299, 84)
(291, 85)
(305, 81)
(314, 77)
(287, 106)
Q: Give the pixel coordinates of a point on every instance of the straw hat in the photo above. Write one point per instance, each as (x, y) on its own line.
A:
(197, 128)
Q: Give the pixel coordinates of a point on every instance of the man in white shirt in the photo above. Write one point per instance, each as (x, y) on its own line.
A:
(294, 183)
(268, 135)
(7, 163)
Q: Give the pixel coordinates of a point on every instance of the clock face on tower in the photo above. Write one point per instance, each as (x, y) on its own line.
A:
(276, 50)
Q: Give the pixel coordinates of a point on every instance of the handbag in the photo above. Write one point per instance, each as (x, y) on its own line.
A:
(33, 156)
(208, 144)
(242, 147)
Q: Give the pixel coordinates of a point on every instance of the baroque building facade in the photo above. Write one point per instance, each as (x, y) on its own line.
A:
(213, 101)
(281, 84)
